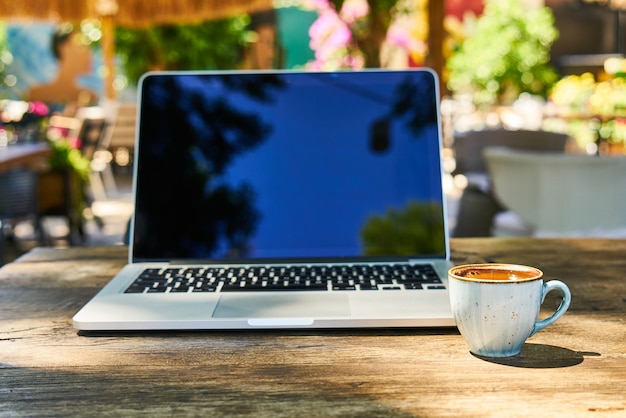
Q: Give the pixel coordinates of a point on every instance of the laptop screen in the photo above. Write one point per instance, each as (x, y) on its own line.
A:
(288, 165)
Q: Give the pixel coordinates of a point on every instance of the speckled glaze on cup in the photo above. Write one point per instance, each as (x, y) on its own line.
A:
(496, 306)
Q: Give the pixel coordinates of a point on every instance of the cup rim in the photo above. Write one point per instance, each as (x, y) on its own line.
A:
(507, 266)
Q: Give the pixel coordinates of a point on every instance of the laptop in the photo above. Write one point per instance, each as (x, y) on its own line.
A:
(283, 199)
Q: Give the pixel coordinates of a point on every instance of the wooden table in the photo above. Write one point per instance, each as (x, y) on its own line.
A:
(21, 155)
(576, 367)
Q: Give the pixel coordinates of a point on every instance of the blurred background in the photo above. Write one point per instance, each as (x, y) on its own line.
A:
(538, 77)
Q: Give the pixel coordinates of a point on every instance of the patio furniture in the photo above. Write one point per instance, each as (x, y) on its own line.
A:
(96, 125)
(124, 126)
(17, 188)
(477, 206)
(561, 194)
(17, 202)
(61, 191)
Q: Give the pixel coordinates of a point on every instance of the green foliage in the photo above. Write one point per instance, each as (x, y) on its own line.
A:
(210, 45)
(415, 230)
(64, 157)
(508, 53)
(4, 44)
(5, 60)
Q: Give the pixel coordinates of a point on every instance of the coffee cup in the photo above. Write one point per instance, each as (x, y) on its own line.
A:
(496, 306)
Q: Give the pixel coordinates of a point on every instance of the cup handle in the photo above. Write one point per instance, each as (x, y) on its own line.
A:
(567, 298)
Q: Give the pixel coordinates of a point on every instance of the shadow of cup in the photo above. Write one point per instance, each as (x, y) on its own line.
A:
(540, 356)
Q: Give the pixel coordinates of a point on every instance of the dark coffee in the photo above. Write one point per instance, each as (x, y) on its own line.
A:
(494, 273)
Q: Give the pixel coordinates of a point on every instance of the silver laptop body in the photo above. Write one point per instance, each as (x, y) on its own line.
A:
(283, 199)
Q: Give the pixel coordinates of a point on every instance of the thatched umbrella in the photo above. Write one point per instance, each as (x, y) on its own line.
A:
(142, 13)
(126, 13)
(137, 13)
(130, 13)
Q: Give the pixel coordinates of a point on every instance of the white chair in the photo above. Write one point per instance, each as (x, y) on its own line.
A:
(93, 126)
(477, 206)
(561, 194)
(96, 125)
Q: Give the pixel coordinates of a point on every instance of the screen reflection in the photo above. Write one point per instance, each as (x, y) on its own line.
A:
(288, 164)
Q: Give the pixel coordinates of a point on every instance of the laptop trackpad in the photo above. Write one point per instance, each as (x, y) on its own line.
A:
(282, 305)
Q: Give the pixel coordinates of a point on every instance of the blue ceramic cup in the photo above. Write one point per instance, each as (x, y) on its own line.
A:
(496, 306)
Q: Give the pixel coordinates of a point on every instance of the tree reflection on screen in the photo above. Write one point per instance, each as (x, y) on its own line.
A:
(416, 229)
(196, 132)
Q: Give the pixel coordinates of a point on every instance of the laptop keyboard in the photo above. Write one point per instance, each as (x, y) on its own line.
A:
(361, 277)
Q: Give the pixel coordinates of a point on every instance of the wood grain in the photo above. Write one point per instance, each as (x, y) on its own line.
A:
(576, 367)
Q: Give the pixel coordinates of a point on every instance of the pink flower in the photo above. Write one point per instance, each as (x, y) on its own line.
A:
(74, 142)
(314, 65)
(353, 10)
(55, 134)
(329, 33)
(399, 34)
(39, 108)
(354, 61)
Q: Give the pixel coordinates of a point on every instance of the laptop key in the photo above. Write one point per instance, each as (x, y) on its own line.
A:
(136, 287)
(413, 286)
(286, 278)
(344, 286)
(264, 286)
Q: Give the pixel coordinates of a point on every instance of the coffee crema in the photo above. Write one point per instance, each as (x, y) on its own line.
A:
(496, 273)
